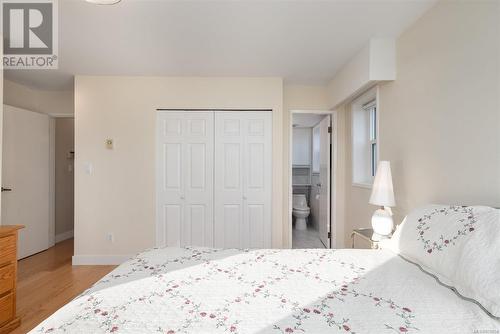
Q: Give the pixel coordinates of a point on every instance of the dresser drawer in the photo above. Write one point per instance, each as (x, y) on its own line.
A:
(6, 309)
(7, 278)
(7, 249)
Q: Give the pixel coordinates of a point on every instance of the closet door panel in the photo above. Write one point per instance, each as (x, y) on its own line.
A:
(172, 216)
(258, 180)
(256, 164)
(214, 179)
(172, 160)
(171, 175)
(185, 197)
(195, 227)
(243, 179)
(198, 190)
(230, 236)
(232, 167)
(256, 225)
(228, 180)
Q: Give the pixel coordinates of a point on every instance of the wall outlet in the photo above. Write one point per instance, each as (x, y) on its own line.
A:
(110, 237)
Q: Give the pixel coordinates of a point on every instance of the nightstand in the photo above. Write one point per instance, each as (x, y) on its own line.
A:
(368, 235)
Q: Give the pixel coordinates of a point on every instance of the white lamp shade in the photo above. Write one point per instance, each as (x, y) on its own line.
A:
(382, 191)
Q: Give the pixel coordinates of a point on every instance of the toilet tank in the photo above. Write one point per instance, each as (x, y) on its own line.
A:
(299, 201)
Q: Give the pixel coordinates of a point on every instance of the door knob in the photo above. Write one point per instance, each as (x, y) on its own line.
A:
(6, 189)
(182, 197)
(244, 197)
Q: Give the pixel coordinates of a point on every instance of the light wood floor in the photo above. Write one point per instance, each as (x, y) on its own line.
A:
(47, 281)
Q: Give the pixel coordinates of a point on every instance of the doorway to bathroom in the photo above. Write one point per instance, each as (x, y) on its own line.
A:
(311, 179)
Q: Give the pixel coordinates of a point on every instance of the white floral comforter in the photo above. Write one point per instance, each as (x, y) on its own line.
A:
(201, 290)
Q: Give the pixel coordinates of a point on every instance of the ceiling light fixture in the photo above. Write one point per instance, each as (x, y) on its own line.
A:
(104, 2)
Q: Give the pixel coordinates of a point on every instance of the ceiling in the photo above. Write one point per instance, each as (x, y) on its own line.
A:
(302, 41)
(306, 120)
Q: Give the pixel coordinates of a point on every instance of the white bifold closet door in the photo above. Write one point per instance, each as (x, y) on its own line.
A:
(214, 179)
(185, 179)
(243, 156)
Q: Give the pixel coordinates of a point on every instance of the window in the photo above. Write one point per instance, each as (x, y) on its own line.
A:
(364, 138)
(371, 108)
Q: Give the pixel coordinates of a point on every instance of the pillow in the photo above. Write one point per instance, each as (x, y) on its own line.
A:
(459, 245)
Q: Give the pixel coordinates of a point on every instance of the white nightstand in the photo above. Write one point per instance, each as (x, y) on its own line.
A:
(368, 235)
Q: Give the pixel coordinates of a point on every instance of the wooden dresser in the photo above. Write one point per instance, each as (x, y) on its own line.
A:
(8, 277)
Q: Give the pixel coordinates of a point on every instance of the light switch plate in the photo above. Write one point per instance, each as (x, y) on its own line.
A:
(110, 237)
(89, 168)
(109, 143)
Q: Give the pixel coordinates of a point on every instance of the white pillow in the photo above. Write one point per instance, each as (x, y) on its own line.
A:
(459, 245)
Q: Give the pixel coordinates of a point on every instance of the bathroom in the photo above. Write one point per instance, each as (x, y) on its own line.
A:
(311, 151)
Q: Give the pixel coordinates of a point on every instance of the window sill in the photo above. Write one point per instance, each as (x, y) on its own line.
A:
(362, 185)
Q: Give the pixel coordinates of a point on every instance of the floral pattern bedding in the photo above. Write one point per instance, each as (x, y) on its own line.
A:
(202, 290)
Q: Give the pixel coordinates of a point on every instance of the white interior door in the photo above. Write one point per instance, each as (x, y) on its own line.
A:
(243, 155)
(26, 171)
(324, 191)
(185, 174)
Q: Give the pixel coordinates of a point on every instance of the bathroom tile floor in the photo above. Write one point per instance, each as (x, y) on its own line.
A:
(306, 239)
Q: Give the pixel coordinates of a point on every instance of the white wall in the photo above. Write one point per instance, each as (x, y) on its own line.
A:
(439, 121)
(119, 197)
(54, 103)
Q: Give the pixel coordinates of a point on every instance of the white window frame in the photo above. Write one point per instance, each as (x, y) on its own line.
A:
(365, 138)
(371, 108)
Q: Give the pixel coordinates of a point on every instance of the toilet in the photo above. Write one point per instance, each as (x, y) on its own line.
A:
(300, 211)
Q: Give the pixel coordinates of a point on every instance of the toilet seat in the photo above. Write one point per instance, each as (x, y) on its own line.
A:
(300, 211)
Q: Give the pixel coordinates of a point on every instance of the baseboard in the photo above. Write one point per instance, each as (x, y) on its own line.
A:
(64, 236)
(99, 260)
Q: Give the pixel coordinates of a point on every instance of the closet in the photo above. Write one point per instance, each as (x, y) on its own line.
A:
(214, 172)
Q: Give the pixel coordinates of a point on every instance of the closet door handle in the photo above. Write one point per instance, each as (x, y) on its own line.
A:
(244, 198)
(6, 189)
(182, 197)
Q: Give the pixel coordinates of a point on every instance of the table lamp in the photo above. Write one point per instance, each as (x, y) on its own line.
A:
(383, 196)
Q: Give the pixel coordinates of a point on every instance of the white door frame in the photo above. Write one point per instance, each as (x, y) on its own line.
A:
(333, 179)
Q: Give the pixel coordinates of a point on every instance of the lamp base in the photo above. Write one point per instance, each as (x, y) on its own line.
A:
(382, 222)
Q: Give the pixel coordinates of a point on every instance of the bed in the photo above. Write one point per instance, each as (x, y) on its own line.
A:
(203, 290)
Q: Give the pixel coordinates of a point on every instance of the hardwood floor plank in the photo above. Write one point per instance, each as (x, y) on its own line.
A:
(47, 281)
